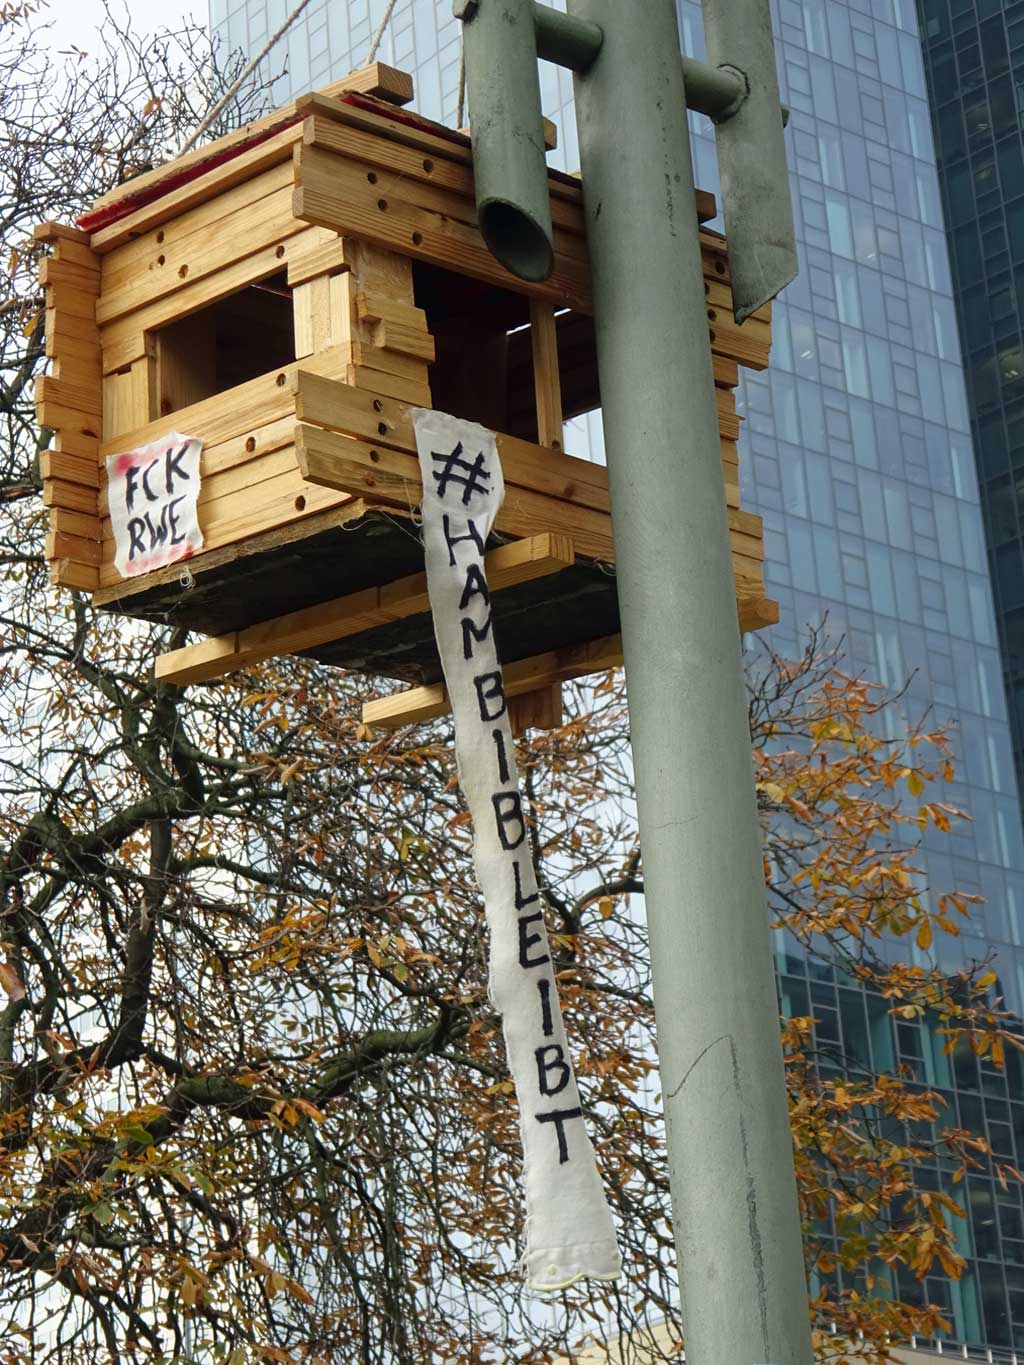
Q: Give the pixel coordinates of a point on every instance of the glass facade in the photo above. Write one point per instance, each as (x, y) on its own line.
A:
(974, 63)
(857, 453)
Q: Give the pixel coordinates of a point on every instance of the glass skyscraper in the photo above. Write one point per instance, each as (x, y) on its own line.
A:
(975, 69)
(857, 452)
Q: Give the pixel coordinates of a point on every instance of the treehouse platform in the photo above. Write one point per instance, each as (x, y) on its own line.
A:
(287, 295)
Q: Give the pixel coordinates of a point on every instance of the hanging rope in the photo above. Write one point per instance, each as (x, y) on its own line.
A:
(375, 41)
(230, 94)
(460, 112)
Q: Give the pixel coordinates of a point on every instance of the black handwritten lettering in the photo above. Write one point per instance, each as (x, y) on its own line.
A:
(499, 743)
(136, 526)
(131, 479)
(560, 1117)
(176, 538)
(158, 533)
(547, 1022)
(474, 480)
(476, 586)
(521, 900)
(489, 689)
(174, 458)
(527, 940)
(150, 495)
(472, 534)
(550, 1058)
(508, 812)
(471, 632)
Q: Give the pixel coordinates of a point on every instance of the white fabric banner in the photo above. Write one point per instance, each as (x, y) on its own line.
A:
(569, 1231)
(152, 494)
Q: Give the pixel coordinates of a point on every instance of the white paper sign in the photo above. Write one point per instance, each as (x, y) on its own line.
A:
(569, 1231)
(152, 496)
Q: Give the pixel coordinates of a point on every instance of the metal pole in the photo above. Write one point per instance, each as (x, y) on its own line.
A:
(744, 1294)
(569, 42)
(712, 90)
(752, 156)
(508, 136)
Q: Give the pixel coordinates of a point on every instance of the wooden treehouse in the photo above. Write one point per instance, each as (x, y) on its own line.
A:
(287, 294)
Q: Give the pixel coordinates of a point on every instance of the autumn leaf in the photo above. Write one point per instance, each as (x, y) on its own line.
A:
(11, 982)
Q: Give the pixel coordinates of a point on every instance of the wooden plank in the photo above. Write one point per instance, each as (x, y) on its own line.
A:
(127, 401)
(122, 590)
(422, 136)
(71, 424)
(390, 361)
(217, 181)
(58, 393)
(79, 549)
(203, 159)
(78, 497)
(340, 408)
(73, 251)
(392, 478)
(321, 252)
(382, 384)
(444, 184)
(201, 254)
(549, 131)
(340, 617)
(546, 383)
(393, 222)
(719, 295)
(525, 675)
(280, 504)
(123, 339)
(373, 308)
(52, 272)
(727, 372)
(50, 231)
(414, 342)
(72, 302)
(238, 412)
(323, 314)
(540, 710)
(84, 445)
(68, 573)
(65, 521)
(57, 464)
(80, 343)
(82, 374)
(747, 344)
(382, 81)
(142, 253)
(186, 363)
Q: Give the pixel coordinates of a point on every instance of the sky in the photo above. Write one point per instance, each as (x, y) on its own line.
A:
(74, 22)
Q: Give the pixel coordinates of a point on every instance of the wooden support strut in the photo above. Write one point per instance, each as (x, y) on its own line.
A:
(323, 622)
(533, 676)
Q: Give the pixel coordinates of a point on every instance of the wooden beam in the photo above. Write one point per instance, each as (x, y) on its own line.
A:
(540, 710)
(377, 79)
(550, 131)
(341, 617)
(524, 676)
(339, 407)
(54, 232)
(529, 676)
(577, 484)
(392, 478)
(333, 192)
(547, 385)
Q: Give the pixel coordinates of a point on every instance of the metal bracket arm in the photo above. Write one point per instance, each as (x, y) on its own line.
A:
(717, 91)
